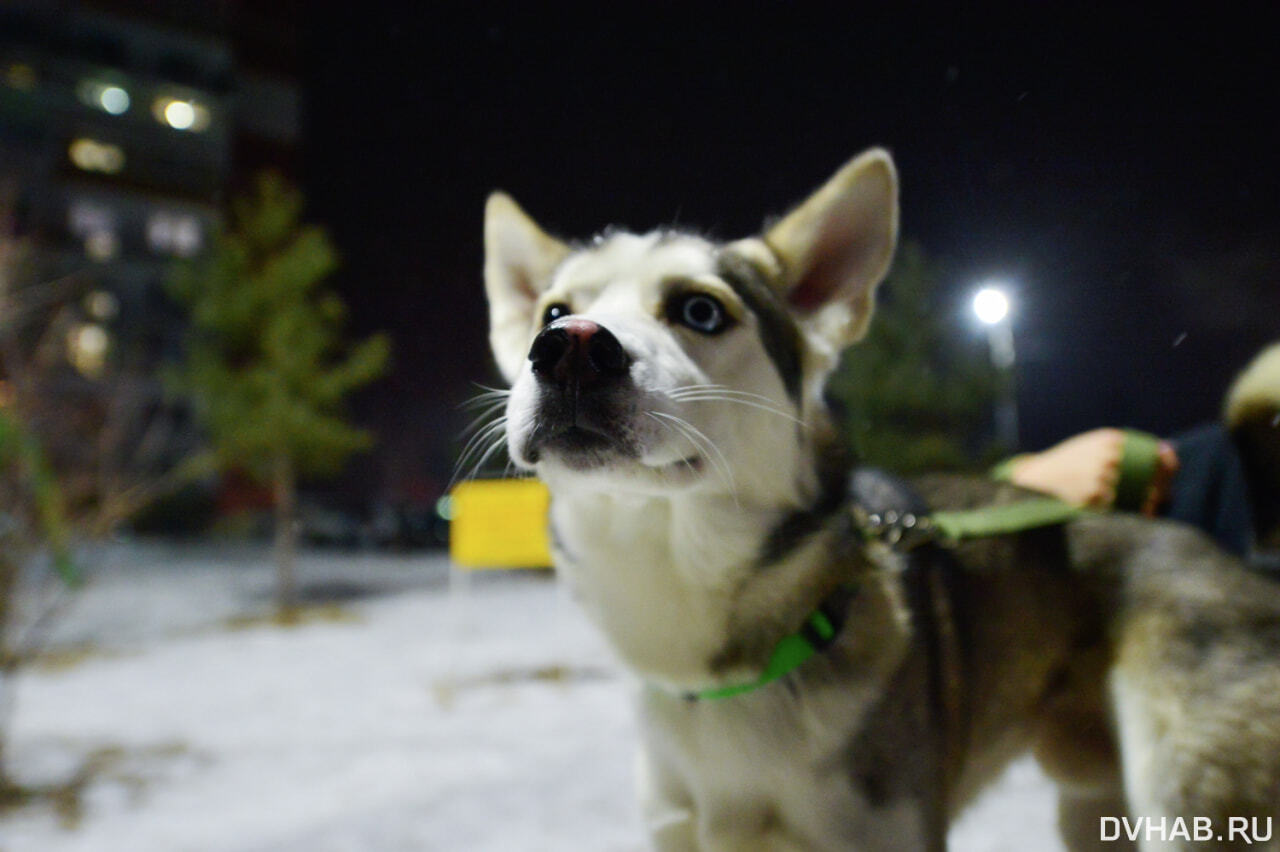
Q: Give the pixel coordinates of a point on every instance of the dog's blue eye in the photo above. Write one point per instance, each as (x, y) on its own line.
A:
(699, 312)
(555, 311)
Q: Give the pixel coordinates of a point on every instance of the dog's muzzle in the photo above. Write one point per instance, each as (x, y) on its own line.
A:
(583, 377)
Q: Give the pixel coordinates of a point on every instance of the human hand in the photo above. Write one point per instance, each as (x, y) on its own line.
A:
(1085, 469)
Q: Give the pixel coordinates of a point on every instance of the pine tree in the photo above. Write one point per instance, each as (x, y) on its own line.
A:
(33, 518)
(917, 393)
(266, 366)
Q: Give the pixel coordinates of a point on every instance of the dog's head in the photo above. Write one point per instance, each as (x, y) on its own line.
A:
(664, 362)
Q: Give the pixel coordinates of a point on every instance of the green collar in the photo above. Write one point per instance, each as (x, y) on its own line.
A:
(903, 532)
(793, 651)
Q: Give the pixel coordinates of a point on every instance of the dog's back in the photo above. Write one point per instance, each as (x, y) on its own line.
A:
(1139, 661)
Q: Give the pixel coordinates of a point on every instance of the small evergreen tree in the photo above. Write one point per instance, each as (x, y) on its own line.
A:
(917, 393)
(266, 366)
(33, 519)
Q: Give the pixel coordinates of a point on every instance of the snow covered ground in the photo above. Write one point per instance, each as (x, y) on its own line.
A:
(428, 710)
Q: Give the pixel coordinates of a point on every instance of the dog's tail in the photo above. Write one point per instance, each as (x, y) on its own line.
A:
(1251, 413)
(1255, 393)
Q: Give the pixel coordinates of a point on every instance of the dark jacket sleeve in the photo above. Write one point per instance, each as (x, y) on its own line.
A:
(1211, 490)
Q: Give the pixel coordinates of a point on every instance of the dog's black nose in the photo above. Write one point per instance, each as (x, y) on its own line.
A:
(578, 351)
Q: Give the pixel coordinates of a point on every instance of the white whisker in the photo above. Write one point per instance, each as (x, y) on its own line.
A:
(716, 393)
(488, 439)
(703, 444)
(488, 394)
(484, 399)
(483, 419)
(482, 434)
(488, 425)
(722, 388)
(493, 448)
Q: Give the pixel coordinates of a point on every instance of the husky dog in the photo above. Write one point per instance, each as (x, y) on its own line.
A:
(669, 391)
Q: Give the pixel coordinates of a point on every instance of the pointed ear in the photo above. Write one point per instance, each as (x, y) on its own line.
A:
(518, 261)
(836, 246)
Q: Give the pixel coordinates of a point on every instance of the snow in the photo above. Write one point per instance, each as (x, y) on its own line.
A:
(429, 710)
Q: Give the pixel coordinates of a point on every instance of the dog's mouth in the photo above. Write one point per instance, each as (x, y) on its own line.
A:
(577, 440)
(572, 440)
(585, 443)
(690, 466)
(585, 452)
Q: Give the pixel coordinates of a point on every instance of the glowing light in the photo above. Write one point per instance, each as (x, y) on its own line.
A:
(991, 305)
(444, 508)
(102, 305)
(181, 113)
(114, 100)
(174, 233)
(101, 245)
(94, 156)
(87, 347)
(84, 216)
(108, 97)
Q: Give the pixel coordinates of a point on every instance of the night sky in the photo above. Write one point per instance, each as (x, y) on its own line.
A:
(1120, 169)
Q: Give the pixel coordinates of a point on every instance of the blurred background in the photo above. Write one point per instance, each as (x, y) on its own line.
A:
(1116, 175)
(240, 254)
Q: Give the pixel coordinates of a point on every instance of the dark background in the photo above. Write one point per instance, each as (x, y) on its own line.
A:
(1118, 168)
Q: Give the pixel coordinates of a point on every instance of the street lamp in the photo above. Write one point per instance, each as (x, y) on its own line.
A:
(992, 307)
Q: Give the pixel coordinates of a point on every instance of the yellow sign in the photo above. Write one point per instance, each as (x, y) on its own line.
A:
(500, 523)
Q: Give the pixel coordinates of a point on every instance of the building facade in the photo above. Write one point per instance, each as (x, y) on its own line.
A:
(123, 127)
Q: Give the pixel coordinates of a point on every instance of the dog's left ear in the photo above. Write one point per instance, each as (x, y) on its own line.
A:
(836, 247)
(519, 259)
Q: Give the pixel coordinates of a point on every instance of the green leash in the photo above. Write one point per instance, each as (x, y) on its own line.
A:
(1028, 514)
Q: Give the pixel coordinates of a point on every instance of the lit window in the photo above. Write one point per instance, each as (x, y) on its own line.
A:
(114, 100)
(102, 305)
(101, 245)
(96, 225)
(87, 346)
(181, 113)
(94, 156)
(174, 233)
(107, 97)
(84, 217)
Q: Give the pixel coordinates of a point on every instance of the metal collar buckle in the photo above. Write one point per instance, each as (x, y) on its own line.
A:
(898, 530)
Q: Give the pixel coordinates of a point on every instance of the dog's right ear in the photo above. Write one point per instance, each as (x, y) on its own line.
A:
(836, 246)
(519, 258)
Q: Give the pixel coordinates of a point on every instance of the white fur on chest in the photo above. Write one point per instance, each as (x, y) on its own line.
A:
(666, 581)
(660, 577)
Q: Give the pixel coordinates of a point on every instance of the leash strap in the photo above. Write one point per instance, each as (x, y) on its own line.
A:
(1031, 513)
